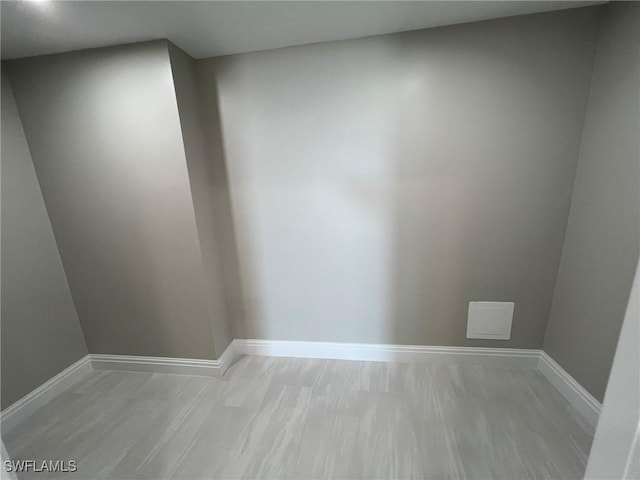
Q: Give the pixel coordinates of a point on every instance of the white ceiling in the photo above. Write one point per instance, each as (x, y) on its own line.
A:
(206, 29)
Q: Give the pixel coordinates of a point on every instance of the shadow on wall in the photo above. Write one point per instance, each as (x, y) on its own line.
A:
(379, 185)
(482, 181)
(226, 230)
(115, 184)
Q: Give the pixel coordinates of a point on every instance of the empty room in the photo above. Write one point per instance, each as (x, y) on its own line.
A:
(320, 240)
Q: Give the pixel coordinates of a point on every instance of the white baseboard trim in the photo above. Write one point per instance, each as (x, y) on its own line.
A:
(28, 404)
(570, 389)
(183, 366)
(512, 357)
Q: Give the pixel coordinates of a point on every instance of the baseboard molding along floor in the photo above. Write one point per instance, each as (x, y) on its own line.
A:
(570, 389)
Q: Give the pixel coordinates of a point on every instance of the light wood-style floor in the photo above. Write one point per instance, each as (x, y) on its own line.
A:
(300, 418)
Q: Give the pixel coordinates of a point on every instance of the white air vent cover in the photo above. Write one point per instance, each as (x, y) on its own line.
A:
(491, 320)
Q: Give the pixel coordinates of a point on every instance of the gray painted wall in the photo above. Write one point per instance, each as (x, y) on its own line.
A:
(40, 333)
(204, 183)
(602, 240)
(226, 229)
(615, 452)
(379, 185)
(105, 137)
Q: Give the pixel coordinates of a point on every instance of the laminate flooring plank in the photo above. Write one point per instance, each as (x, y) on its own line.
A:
(289, 418)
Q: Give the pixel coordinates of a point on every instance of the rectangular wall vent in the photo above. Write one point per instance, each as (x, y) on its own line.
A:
(490, 320)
